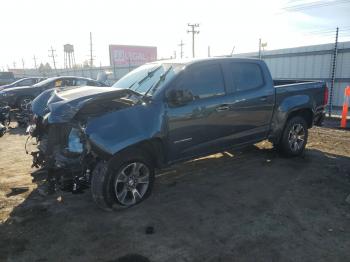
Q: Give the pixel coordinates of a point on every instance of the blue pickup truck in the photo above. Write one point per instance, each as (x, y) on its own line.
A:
(163, 112)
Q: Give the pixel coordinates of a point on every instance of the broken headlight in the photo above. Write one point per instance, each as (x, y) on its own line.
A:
(74, 143)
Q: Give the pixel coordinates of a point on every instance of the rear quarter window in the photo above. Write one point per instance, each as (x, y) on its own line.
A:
(246, 76)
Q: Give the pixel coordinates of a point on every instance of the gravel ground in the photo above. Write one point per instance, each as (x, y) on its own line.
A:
(250, 205)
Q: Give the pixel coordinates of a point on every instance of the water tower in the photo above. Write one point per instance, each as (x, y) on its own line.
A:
(69, 59)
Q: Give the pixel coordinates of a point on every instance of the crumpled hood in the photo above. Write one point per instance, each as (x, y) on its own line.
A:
(64, 105)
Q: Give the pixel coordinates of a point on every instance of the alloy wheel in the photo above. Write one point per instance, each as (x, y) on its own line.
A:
(296, 137)
(131, 183)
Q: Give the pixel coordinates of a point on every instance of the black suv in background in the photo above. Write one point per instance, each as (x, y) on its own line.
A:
(6, 78)
(28, 81)
(21, 97)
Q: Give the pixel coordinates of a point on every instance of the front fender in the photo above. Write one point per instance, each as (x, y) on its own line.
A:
(118, 130)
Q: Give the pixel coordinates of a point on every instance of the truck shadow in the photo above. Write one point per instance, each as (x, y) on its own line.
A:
(234, 200)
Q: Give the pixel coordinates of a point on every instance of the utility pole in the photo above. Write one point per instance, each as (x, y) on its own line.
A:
(23, 66)
(91, 57)
(14, 65)
(193, 31)
(181, 49)
(334, 69)
(259, 48)
(34, 58)
(52, 55)
(208, 50)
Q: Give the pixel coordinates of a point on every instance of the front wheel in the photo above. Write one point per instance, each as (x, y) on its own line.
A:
(2, 130)
(126, 180)
(294, 137)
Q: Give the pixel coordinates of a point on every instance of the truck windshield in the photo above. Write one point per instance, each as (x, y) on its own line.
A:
(145, 77)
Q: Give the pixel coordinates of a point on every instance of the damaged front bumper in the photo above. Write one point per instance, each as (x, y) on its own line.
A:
(60, 149)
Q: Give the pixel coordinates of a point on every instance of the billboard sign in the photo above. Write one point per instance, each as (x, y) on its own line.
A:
(129, 55)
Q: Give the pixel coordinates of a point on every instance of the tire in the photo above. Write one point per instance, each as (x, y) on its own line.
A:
(294, 137)
(2, 130)
(24, 103)
(130, 171)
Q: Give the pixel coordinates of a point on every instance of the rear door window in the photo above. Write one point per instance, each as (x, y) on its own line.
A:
(94, 83)
(205, 81)
(246, 76)
(69, 82)
(80, 82)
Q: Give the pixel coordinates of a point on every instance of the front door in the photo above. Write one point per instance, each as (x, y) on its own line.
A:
(194, 128)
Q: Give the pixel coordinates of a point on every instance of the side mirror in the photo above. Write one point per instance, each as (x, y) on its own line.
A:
(179, 97)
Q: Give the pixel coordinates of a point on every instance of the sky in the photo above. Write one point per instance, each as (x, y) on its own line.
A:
(30, 28)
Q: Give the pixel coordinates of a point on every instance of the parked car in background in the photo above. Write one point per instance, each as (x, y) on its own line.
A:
(21, 97)
(28, 81)
(165, 112)
(6, 78)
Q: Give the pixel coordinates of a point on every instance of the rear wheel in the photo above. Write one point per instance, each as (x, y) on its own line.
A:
(294, 137)
(127, 179)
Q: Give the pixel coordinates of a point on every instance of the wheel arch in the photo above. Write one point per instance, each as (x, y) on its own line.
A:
(281, 120)
(154, 148)
(305, 113)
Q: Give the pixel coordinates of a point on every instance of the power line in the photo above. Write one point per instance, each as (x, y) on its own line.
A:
(315, 4)
(327, 32)
(193, 31)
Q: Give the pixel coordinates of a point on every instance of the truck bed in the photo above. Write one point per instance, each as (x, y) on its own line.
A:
(282, 82)
(296, 92)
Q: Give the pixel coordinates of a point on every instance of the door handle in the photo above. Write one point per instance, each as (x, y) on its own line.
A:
(263, 99)
(222, 108)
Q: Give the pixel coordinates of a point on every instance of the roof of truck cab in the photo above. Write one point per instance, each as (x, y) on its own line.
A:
(188, 61)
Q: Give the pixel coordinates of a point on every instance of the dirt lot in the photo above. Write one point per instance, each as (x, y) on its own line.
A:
(236, 206)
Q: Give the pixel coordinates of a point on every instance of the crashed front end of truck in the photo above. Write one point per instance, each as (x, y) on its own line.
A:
(58, 130)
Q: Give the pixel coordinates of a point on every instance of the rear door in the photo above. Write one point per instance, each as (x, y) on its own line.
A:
(194, 129)
(250, 101)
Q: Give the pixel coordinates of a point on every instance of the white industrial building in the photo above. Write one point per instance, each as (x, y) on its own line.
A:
(311, 63)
